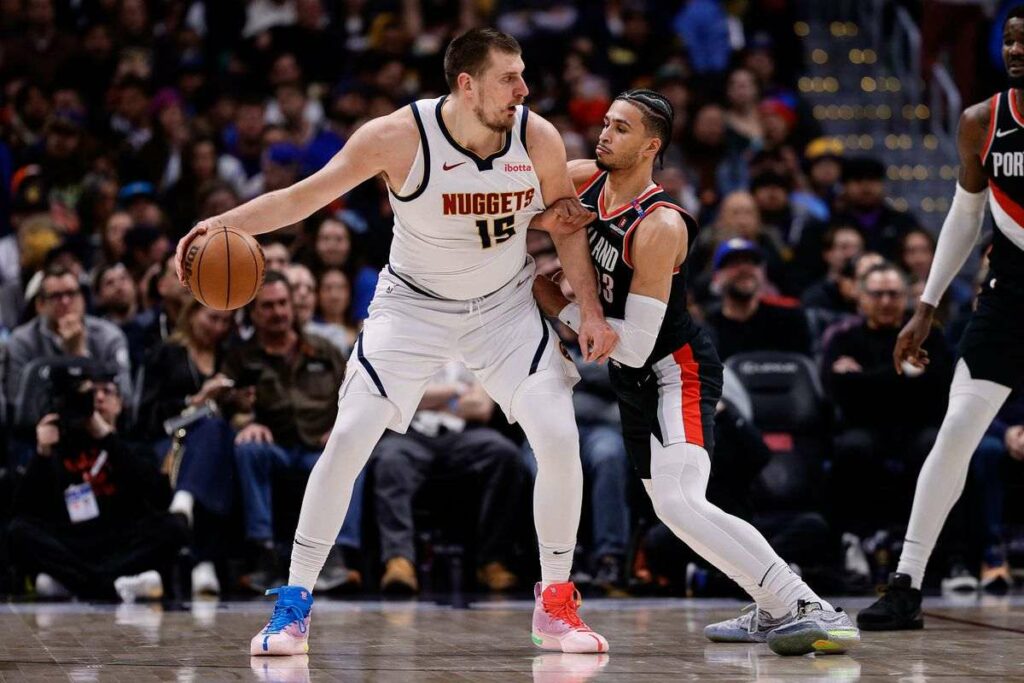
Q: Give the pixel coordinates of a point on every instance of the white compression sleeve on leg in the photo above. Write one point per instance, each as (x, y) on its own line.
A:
(637, 332)
(973, 404)
(959, 234)
(546, 414)
(363, 415)
(679, 475)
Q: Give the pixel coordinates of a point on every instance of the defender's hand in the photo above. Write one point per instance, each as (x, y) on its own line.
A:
(564, 216)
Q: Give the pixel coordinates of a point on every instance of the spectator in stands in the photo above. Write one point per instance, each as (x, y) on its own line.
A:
(448, 440)
(887, 420)
(114, 294)
(61, 328)
(334, 305)
(292, 403)
(712, 159)
(836, 292)
(304, 301)
(823, 159)
(90, 515)
(917, 250)
(41, 49)
(182, 374)
(742, 117)
(147, 330)
(747, 320)
(864, 205)
(277, 256)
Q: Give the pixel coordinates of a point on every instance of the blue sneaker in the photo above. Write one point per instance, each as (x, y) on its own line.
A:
(287, 632)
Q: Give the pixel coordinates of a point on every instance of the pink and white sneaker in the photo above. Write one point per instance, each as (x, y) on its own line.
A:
(287, 632)
(557, 625)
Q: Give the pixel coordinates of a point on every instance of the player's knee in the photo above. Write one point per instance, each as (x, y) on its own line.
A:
(555, 438)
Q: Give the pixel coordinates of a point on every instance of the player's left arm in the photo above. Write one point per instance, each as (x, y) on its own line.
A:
(659, 245)
(547, 152)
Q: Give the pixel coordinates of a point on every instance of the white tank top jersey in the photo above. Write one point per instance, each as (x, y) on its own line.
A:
(460, 220)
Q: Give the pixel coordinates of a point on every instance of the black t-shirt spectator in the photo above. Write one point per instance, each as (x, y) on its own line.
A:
(776, 325)
(876, 396)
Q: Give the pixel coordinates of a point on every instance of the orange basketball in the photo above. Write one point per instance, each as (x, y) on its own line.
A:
(224, 268)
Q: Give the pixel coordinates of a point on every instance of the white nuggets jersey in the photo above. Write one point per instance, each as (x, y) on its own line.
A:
(461, 221)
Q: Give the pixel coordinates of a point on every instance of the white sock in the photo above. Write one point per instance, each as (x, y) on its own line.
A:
(679, 480)
(182, 502)
(308, 557)
(363, 415)
(545, 411)
(973, 404)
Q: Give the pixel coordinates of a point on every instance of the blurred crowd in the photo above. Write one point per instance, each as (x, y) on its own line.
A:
(154, 445)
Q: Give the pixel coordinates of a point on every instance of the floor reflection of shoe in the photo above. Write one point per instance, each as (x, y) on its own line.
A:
(288, 669)
(960, 580)
(204, 580)
(816, 630)
(336, 576)
(567, 668)
(557, 624)
(899, 609)
(494, 576)
(399, 577)
(287, 632)
(144, 586)
(49, 588)
(752, 626)
(996, 580)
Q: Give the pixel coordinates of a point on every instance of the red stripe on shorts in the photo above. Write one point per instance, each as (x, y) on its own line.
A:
(692, 424)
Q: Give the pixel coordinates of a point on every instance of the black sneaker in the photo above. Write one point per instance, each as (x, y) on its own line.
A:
(266, 573)
(899, 609)
(336, 576)
(610, 573)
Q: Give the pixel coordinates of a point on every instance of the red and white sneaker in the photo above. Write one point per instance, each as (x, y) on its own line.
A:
(557, 625)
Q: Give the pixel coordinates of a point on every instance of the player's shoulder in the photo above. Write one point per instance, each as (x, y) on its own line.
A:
(662, 228)
(976, 119)
(582, 172)
(397, 125)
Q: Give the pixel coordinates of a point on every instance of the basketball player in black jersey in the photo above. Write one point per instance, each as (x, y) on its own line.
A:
(991, 144)
(668, 378)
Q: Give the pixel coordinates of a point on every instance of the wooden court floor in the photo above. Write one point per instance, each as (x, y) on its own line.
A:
(651, 640)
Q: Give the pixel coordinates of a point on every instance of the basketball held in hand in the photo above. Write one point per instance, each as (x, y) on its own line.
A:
(224, 268)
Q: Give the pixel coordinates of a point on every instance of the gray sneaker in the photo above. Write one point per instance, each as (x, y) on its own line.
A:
(752, 626)
(815, 630)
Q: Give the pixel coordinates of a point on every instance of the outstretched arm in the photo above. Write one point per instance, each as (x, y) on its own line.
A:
(373, 149)
(959, 234)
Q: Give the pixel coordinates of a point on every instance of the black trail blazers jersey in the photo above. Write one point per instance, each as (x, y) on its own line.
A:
(610, 236)
(1003, 159)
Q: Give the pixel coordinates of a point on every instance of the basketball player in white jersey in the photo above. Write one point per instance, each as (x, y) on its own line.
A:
(467, 175)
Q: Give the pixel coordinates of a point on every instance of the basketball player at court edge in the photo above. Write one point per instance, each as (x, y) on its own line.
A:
(668, 379)
(991, 144)
(467, 174)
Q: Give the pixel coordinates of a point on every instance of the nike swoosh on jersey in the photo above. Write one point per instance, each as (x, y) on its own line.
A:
(1004, 133)
(446, 167)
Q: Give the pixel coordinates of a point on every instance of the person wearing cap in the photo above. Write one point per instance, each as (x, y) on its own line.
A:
(62, 329)
(823, 162)
(863, 203)
(747, 319)
(279, 169)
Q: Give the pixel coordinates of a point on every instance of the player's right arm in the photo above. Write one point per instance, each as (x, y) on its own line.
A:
(386, 145)
(959, 234)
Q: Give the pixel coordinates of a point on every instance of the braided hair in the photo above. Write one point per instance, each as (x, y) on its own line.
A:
(657, 112)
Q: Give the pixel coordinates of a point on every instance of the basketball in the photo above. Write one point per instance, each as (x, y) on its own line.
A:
(224, 268)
